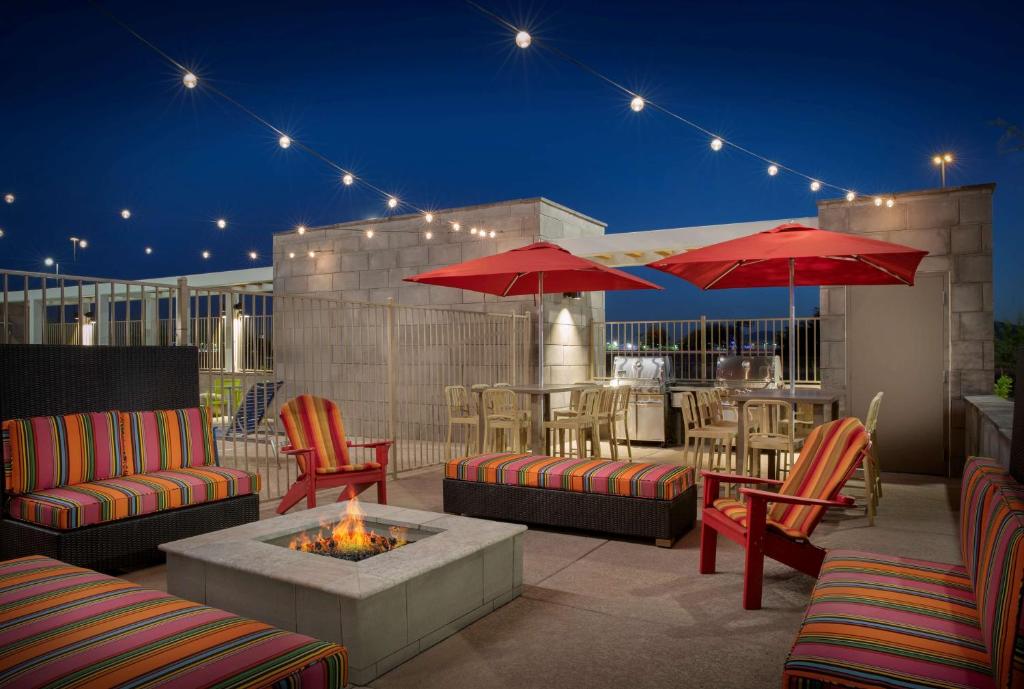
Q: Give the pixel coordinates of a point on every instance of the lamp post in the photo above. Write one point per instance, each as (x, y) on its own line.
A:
(941, 161)
(76, 243)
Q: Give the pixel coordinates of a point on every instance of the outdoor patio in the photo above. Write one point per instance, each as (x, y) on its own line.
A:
(590, 602)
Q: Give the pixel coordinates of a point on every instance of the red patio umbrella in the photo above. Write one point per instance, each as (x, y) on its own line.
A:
(793, 254)
(540, 268)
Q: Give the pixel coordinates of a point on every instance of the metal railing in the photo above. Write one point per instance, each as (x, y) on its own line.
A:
(694, 345)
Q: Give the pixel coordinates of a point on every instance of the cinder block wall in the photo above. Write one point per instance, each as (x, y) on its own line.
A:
(353, 267)
(955, 226)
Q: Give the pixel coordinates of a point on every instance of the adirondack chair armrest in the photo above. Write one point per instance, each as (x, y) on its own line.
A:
(381, 449)
(713, 479)
(297, 451)
(767, 496)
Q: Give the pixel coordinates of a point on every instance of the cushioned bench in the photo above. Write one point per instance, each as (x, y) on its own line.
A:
(887, 621)
(66, 626)
(627, 498)
(101, 476)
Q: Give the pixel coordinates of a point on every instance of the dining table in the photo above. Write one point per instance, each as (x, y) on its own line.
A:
(540, 409)
(825, 405)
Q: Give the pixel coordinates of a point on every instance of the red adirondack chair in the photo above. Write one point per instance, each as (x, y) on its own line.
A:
(317, 441)
(779, 525)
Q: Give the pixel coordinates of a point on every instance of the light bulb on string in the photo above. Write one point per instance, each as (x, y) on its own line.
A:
(253, 255)
(456, 227)
(523, 39)
(125, 213)
(851, 195)
(878, 200)
(312, 254)
(890, 202)
(1, 232)
(205, 255)
(428, 234)
(429, 217)
(472, 230)
(369, 234)
(301, 229)
(285, 141)
(392, 202)
(773, 170)
(815, 185)
(716, 144)
(347, 179)
(149, 250)
(9, 198)
(637, 104)
(493, 234)
(291, 254)
(190, 80)
(222, 223)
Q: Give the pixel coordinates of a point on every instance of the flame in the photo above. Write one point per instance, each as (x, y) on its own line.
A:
(349, 538)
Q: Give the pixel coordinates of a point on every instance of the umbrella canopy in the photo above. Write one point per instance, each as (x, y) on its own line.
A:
(819, 257)
(539, 268)
(521, 271)
(795, 255)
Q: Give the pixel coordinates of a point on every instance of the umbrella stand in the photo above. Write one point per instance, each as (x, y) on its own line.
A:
(792, 328)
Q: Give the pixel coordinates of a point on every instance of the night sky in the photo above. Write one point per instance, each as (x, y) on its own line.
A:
(433, 101)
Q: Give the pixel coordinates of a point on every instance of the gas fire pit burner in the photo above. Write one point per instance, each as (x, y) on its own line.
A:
(349, 539)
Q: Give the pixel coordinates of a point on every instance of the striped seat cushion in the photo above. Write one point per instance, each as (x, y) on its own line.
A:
(66, 626)
(49, 451)
(881, 621)
(633, 479)
(737, 511)
(348, 468)
(71, 507)
(167, 439)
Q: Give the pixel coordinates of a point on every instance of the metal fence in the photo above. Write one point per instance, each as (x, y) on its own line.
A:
(694, 345)
(386, 365)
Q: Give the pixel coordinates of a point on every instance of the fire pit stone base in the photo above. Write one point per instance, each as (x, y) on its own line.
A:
(384, 609)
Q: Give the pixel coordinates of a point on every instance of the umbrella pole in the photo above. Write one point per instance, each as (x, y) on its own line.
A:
(792, 328)
(540, 329)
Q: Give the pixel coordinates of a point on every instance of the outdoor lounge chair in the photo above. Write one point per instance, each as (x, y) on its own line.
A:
(317, 441)
(252, 410)
(782, 531)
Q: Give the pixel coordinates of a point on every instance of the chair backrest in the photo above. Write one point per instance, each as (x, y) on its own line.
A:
(316, 423)
(766, 417)
(254, 407)
(704, 408)
(590, 401)
(871, 421)
(992, 540)
(623, 393)
(499, 401)
(829, 456)
(457, 399)
(606, 404)
(691, 415)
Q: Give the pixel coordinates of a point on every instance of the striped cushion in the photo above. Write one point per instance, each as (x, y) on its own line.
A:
(346, 468)
(313, 422)
(71, 507)
(634, 479)
(992, 539)
(830, 455)
(66, 626)
(881, 621)
(50, 451)
(737, 511)
(167, 439)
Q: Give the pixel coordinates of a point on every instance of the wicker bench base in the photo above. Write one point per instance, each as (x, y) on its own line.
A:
(663, 520)
(125, 543)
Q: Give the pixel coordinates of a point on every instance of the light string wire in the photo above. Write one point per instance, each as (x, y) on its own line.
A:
(573, 60)
(322, 157)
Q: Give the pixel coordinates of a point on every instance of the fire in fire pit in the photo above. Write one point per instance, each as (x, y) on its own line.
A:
(349, 539)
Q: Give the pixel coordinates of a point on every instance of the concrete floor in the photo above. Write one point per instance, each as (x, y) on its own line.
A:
(598, 612)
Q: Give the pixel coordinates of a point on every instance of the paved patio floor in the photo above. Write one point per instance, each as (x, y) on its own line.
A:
(599, 612)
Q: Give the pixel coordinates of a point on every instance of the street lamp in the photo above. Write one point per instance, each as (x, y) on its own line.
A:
(941, 161)
(76, 244)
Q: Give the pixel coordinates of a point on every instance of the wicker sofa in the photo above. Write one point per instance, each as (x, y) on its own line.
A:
(67, 626)
(94, 475)
(886, 621)
(635, 499)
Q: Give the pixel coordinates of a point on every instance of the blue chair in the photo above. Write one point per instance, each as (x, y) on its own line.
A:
(252, 411)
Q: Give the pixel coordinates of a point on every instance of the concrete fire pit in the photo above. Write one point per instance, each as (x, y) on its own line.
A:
(384, 609)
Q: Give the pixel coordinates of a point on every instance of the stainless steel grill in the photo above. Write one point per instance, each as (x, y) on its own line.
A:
(740, 372)
(648, 376)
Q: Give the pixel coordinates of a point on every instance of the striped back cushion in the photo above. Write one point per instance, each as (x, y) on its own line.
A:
(830, 455)
(52, 451)
(167, 439)
(316, 423)
(992, 539)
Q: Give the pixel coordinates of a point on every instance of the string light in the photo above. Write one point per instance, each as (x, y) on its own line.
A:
(890, 202)
(523, 39)
(878, 200)
(716, 144)
(47, 261)
(285, 141)
(369, 233)
(472, 230)
(773, 170)
(429, 217)
(125, 213)
(815, 185)
(301, 229)
(222, 223)
(482, 234)
(253, 255)
(637, 104)
(392, 202)
(9, 198)
(456, 227)
(1, 232)
(291, 254)
(347, 179)
(428, 234)
(312, 254)
(851, 195)
(493, 234)
(149, 250)
(205, 255)
(190, 80)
